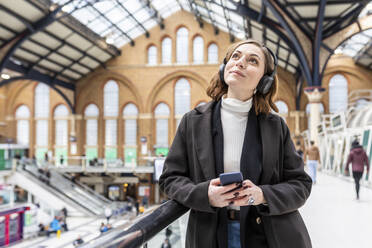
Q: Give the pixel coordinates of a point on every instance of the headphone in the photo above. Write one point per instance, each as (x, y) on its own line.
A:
(266, 81)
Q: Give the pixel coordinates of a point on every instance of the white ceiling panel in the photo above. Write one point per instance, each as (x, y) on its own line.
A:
(46, 39)
(70, 52)
(89, 62)
(99, 54)
(60, 59)
(26, 55)
(27, 10)
(79, 41)
(60, 30)
(80, 68)
(50, 65)
(11, 22)
(35, 48)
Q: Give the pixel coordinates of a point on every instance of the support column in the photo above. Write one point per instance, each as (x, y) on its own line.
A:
(297, 116)
(314, 94)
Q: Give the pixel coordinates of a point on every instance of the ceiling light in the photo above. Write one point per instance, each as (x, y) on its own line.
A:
(109, 40)
(5, 76)
(338, 51)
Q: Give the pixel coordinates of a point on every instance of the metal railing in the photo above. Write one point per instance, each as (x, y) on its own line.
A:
(142, 229)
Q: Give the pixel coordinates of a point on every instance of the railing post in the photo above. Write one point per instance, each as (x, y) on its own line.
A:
(14, 165)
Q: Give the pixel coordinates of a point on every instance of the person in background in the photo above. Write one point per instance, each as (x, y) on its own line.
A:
(312, 158)
(61, 160)
(54, 226)
(78, 241)
(166, 244)
(298, 149)
(358, 158)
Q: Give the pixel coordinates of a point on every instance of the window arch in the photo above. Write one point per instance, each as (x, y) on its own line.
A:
(130, 114)
(181, 98)
(111, 110)
(213, 53)
(283, 108)
(91, 114)
(152, 55)
(338, 91)
(198, 50)
(61, 133)
(162, 116)
(42, 115)
(166, 51)
(23, 125)
(182, 45)
(307, 109)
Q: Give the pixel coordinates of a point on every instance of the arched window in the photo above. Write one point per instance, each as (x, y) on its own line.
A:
(152, 55)
(182, 98)
(130, 114)
(283, 109)
(182, 45)
(91, 114)
(198, 50)
(212, 54)
(338, 94)
(162, 117)
(321, 111)
(61, 133)
(166, 51)
(41, 115)
(111, 110)
(23, 125)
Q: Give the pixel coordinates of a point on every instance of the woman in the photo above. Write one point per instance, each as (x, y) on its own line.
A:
(237, 132)
(358, 158)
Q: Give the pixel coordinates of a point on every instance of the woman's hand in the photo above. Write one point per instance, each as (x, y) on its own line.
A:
(221, 196)
(249, 194)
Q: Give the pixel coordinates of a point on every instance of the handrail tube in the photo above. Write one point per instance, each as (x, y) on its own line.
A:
(142, 230)
(87, 189)
(61, 192)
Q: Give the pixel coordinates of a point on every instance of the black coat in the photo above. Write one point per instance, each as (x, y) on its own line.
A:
(190, 165)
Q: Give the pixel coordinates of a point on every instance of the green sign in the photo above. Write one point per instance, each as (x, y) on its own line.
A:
(91, 153)
(161, 150)
(130, 155)
(111, 153)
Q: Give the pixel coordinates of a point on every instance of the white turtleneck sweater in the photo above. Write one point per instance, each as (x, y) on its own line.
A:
(234, 117)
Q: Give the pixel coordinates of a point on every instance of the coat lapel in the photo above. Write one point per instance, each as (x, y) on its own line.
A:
(269, 139)
(202, 135)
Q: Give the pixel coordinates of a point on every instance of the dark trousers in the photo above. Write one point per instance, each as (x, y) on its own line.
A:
(357, 176)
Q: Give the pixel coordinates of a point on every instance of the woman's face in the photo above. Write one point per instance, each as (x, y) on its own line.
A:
(244, 70)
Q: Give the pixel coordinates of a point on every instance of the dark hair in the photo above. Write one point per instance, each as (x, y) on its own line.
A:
(311, 142)
(262, 103)
(355, 144)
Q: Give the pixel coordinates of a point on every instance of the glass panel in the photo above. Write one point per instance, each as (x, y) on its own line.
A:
(61, 155)
(61, 133)
(91, 153)
(166, 51)
(130, 110)
(41, 101)
(111, 99)
(130, 155)
(42, 133)
(198, 50)
(91, 110)
(40, 153)
(365, 139)
(131, 132)
(182, 45)
(23, 131)
(152, 55)
(23, 112)
(110, 153)
(162, 132)
(111, 132)
(182, 97)
(162, 110)
(91, 132)
(338, 91)
(212, 53)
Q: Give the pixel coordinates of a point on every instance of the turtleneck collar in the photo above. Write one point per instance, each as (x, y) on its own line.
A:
(235, 105)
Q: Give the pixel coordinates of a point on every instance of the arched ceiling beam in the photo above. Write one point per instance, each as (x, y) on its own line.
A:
(39, 25)
(38, 76)
(278, 30)
(53, 86)
(318, 41)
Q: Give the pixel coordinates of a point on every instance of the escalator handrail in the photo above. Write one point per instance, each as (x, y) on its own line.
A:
(58, 190)
(86, 188)
(142, 229)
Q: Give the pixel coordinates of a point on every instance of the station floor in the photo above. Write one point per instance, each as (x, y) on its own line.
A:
(333, 216)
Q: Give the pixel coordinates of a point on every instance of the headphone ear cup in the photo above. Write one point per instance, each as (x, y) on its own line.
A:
(222, 73)
(265, 84)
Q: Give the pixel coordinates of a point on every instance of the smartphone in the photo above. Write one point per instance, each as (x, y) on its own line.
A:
(231, 177)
